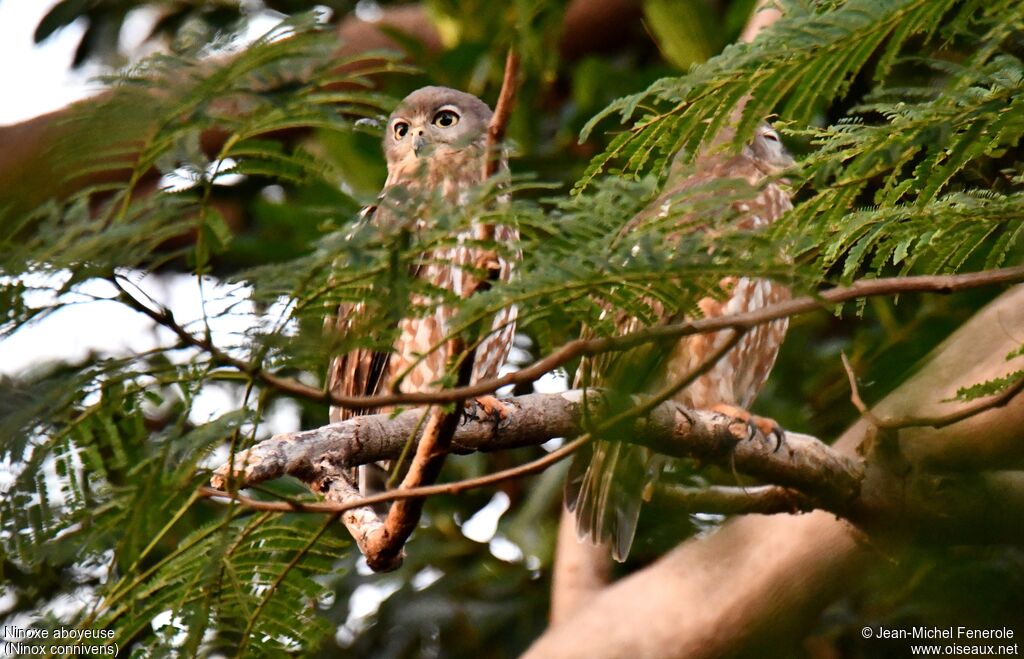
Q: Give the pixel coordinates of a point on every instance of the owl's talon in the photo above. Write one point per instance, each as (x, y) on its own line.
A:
(778, 434)
(752, 430)
(763, 425)
(491, 407)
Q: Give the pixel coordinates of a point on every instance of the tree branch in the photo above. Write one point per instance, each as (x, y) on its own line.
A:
(502, 112)
(803, 463)
(385, 546)
(722, 500)
(336, 505)
(589, 347)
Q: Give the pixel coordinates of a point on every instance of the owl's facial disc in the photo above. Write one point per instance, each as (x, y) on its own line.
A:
(434, 124)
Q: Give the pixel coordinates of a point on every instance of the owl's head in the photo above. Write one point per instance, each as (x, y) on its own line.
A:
(436, 122)
(766, 148)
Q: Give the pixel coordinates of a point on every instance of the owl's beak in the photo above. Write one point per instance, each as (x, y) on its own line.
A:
(419, 144)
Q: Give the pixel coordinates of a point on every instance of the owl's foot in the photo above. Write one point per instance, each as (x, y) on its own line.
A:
(770, 428)
(486, 407)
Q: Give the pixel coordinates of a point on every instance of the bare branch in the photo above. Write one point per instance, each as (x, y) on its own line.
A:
(722, 500)
(935, 421)
(533, 467)
(590, 347)
(502, 113)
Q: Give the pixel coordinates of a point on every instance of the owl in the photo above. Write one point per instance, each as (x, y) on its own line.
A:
(606, 481)
(434, 142)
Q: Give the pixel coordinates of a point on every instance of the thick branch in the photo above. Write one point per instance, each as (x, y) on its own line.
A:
(804, 462)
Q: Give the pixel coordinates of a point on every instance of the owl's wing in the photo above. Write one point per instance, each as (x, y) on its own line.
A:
(360, 372)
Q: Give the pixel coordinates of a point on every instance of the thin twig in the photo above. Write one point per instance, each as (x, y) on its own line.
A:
(855, 398)
(937, 421)
(979, 406)
(502, 112)
(590, 347)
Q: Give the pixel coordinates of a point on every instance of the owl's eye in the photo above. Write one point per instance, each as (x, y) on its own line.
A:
(400, 128)
(446, 119)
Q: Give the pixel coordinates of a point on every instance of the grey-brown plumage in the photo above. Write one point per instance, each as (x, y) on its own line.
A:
(435, 140)
(606, 481)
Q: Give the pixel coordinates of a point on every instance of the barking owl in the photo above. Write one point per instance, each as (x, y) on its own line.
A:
(434, 142)
(606, 481)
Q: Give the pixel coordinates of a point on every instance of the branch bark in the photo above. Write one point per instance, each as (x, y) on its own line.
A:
(804, 462)
(580, 569)
(724, 500)
(810, 474)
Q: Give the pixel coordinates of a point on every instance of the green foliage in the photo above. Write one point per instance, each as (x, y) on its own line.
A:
(908, 116)
(918, 175)
(260, 571)
(989, 387)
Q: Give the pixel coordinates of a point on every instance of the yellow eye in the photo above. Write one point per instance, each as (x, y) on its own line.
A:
(400, 128)
(446, 119)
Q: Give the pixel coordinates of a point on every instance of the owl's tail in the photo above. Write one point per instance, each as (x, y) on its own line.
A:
(605, 491)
